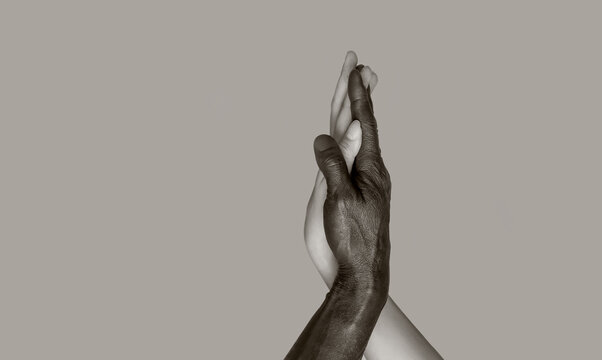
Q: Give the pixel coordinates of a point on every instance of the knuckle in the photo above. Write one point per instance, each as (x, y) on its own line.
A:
(333, 162)
(371, 139)
(359, 106)
(376, 178)
(366, 165)
(384, 178)
(340, 201)
(386, 182)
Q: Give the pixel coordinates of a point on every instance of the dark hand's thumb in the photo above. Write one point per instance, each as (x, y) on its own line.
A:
(331, 162)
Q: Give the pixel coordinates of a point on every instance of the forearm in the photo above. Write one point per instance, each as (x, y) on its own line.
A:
(395, 338)
(341, 327)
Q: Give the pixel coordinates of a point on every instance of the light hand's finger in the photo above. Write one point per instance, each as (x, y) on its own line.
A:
(340, 92)
(351, 142)
(373, 82)
(372, 85)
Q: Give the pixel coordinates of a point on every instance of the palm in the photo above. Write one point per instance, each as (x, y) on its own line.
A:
(340, 123)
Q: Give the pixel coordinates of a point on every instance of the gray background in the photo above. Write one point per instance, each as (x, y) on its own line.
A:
(157, 158)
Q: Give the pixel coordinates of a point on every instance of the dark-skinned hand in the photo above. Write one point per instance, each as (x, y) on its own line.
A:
(356, 224)
(356, 210)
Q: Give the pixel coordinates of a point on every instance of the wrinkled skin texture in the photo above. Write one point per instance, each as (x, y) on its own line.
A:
(356, 209)
(347, 132)
(394, 336)
(356, 220)
(357, 232)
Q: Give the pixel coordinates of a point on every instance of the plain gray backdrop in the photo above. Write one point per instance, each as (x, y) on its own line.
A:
(156, 161)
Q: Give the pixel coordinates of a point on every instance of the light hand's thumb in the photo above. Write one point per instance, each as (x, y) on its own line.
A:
(351, 143)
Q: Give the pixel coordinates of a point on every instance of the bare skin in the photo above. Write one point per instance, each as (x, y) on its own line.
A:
(394, 336)
(356, 224)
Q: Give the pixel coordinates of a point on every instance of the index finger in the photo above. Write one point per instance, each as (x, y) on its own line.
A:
(361, 109)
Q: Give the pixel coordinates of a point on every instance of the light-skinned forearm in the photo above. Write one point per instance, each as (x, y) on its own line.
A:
(395, 338)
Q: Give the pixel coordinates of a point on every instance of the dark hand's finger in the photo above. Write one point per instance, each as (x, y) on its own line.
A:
(344, 119)
(370, 99)
(361, 110)
(332, 163)
(370, 171)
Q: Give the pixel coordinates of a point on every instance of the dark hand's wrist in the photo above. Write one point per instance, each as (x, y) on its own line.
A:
(369, 275)
(362, 286)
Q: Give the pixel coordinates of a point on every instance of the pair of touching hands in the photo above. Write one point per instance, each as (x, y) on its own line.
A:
(347, 237)
(347, 224)
(347, 219)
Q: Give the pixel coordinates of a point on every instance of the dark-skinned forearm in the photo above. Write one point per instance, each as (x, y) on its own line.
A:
(341, 327)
